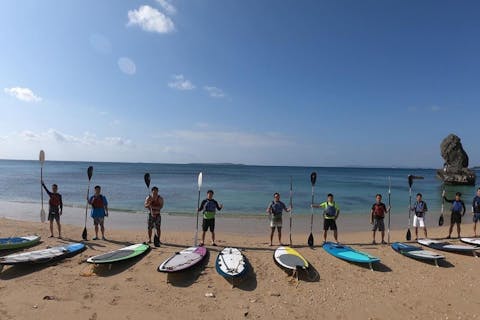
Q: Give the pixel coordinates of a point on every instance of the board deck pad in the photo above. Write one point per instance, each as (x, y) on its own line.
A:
(18, 242)
(43, 256)
(184, 259)
(446, 246)
(120, 254)
(231, 263)
(349, 254)
(290, 258)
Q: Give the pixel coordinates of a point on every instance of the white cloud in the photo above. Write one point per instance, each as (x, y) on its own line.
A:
(180, 83)
(167, 6)
(23, 94)
(127, 66)
(214, 92)
(150, 19)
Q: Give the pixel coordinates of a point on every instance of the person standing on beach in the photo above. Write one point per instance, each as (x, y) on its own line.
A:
(209, 206)
(275, 210)
(99, 211)
(420, 209)
(377, 216)
(458, 211)
(330, 215)
(476, 211)
(154, 203)
(55, 208)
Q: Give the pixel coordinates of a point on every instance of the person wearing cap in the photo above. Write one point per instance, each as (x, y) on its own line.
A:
(154, 202)
(458, 211)
(209, 206)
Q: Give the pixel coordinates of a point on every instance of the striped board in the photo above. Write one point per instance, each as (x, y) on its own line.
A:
(448, 246)
(184, 259)
(43, 256)
(18, 242)
(120, 254)
(472, 241)
(231, 263)
(290, 258)
(349, 254)
(416, 252)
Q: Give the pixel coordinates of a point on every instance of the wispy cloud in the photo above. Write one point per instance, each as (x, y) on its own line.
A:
(214, 92)
(180, 83)
(150, 19)
(127, 66)
(23, 94)
(167, 6)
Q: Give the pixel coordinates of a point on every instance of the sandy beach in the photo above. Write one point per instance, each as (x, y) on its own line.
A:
(399, 288)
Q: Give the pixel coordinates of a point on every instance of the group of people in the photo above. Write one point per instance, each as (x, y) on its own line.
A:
(209, 206)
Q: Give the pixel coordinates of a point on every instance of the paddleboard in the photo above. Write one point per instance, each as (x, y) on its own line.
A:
(349, 254)
(120, 254)
(18, 242)
(43, 256)
(231, 263)
(447, 246)
(415, 252)
(290, 258)
(472, 241)
(184, 259)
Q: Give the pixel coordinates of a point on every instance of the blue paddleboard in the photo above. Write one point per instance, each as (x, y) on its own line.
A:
(349, 254)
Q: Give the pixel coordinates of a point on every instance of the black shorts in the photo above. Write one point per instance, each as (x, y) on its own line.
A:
(208, 223)
(54, 215)
(154, 221)
(456, 217)
(329, 224)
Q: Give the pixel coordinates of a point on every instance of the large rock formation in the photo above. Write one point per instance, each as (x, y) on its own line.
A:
(455, 170)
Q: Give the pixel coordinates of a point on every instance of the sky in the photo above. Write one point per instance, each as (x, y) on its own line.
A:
(308, 83)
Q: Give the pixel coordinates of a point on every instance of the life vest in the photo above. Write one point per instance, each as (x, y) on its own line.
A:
(419, 209)
(210, 205)
(476, 204)
(379, 210)
(54, 200)
(277, 207)
(330, 211)
(457, 206)
(97, 202)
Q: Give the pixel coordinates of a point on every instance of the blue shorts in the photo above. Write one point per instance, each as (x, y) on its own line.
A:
(476, 217)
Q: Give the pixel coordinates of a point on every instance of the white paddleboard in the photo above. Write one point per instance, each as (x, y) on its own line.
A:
(473, 241)
(446, 246)
(230, 263)
(183, 260)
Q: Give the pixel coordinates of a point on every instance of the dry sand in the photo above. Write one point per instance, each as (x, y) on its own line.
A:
(399, 288)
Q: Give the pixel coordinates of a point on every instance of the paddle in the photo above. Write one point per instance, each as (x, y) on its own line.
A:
(41, 157)
(199, 182)
(440, 220)
(156, 238)
(410, 182)
(313, 179)
(89, 174)
(389, 208)
(291, 208)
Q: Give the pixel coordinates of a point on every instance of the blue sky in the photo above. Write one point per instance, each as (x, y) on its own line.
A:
(316, 83)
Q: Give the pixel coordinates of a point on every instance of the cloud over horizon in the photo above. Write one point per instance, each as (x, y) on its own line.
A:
(23, 94)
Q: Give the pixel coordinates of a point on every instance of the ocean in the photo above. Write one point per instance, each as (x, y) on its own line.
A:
(242, 189)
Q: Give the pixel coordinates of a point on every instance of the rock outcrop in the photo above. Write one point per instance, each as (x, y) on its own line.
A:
(455, 169)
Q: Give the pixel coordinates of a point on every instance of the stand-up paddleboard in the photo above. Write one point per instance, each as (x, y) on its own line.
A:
(18, 242)
(416, 252)
(231, 263)
(472, 241)
(349, 254)
(120, 254)
(290, 258)
(183, 260)
(448, 246)
(43, 256)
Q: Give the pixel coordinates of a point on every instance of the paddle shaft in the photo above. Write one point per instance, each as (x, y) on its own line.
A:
(311, 216)
(389, 208)
(41, 180)
(291, 208)
(196, 228)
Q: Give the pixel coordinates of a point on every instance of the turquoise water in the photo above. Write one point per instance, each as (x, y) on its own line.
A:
(241, 189)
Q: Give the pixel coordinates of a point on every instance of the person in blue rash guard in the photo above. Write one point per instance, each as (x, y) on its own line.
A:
(209, 206)
(458, 211)
(99, 211)
(476, 211)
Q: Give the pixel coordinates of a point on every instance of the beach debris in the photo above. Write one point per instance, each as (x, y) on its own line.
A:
(253, 300)
(49, 298)
(210, 295)
(275, 294)
(35, 306)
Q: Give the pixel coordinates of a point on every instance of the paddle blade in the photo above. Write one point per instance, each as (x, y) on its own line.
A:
(146, 178)
(409, 235)
(156, 240)
(41, 156)
(310, 240)
(410, 180)
(313, 178)
(84, 234)
(90, 172)
(42, 215)
(440, 220)
(200, 179)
